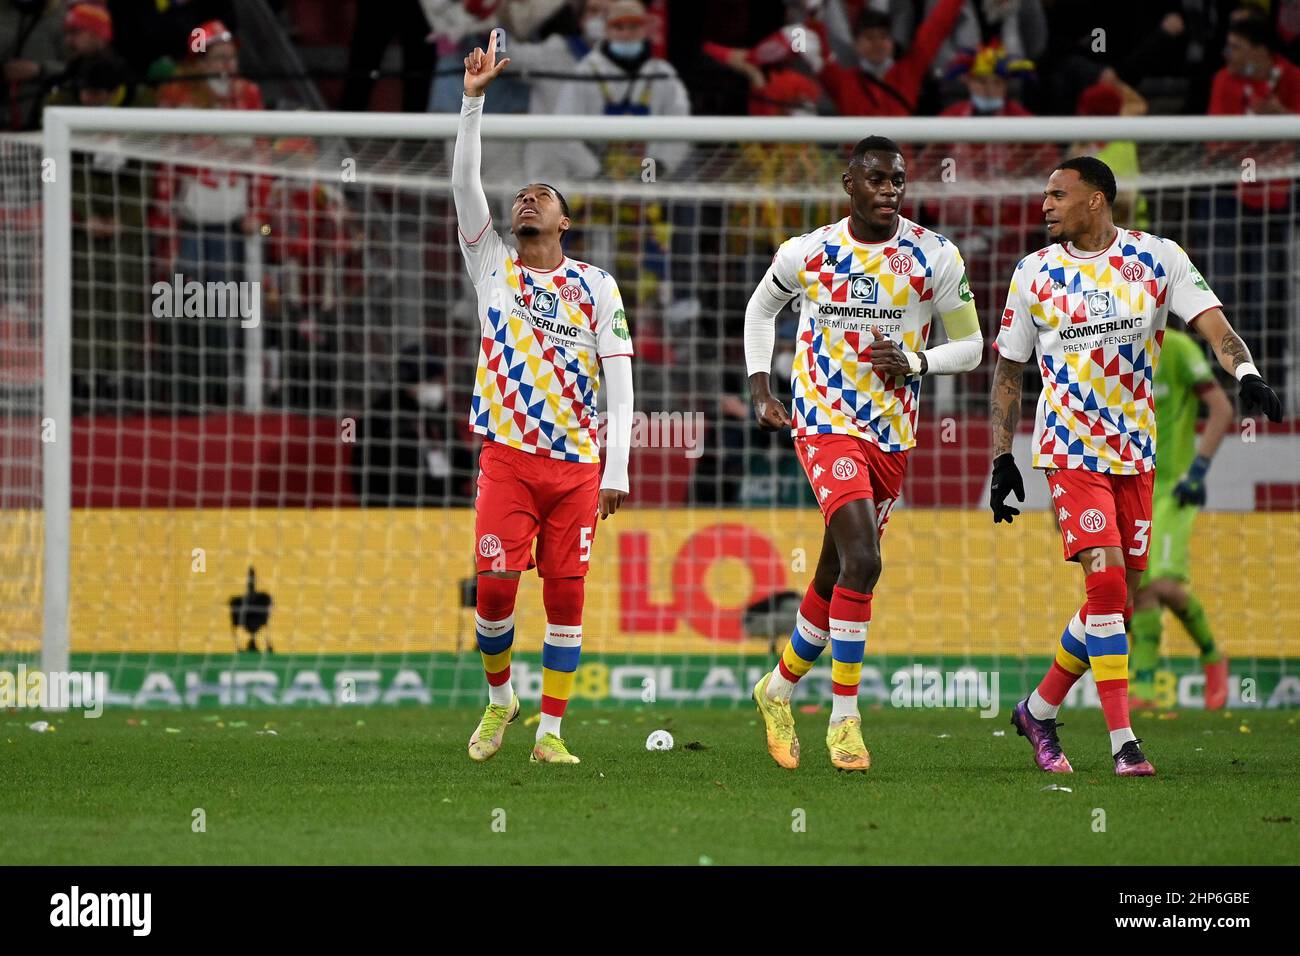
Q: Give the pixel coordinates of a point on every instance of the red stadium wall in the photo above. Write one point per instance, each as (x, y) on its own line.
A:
(294, 461)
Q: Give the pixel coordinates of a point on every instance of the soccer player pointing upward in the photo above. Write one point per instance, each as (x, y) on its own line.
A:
(549, 324)
(868, 289)
(1093, 306)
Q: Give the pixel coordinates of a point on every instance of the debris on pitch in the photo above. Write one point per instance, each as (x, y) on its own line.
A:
(41, 727)
(1057, 786)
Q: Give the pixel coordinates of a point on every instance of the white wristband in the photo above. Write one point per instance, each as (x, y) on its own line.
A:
(913, 362)
(1244, 369)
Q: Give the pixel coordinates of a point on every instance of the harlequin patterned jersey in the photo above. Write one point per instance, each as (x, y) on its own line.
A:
(543, 335)
(844, 286)
(1096, 321)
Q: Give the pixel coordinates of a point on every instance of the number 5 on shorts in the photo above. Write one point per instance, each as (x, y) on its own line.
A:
(584, 545)
(1141, 537)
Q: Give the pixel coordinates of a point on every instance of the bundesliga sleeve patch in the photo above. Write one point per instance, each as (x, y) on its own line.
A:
(619, 326)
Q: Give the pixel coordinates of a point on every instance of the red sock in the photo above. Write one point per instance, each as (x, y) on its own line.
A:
(1056, 684)
(1108, 596)
(851, 611)
(1114, 702)
(816, 609)
(496, 597)
(495, 605)
(563, 600)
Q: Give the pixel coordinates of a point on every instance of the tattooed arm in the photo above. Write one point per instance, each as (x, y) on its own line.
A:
(1228, 347)
(1233, 355)
(1004, 403)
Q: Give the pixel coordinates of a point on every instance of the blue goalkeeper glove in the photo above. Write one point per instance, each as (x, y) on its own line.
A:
(1191, 490)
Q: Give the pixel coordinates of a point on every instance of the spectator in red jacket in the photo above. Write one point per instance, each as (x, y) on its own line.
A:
(1255, 80)
(878, 84)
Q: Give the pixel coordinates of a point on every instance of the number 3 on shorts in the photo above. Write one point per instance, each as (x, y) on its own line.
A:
(584, 545)
(1141, 537)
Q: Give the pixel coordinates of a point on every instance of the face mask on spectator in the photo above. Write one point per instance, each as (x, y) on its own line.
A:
(430, 394)
(593, 30)
(875, 69)
(986, 104)
(626, 49)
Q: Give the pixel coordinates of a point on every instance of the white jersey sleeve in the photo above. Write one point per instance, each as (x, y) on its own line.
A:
(778, 286)
(613, 337)
(482, 248)
(1189, 293)
(1017, 335)
(952, 288)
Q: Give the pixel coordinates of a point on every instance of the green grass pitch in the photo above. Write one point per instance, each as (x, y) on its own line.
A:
(395, 786)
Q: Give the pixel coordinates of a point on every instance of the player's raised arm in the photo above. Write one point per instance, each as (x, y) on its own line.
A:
(774, 292)
(1213, 326)
(472, 215)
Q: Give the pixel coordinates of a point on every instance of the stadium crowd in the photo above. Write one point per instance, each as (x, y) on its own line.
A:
(604, 57)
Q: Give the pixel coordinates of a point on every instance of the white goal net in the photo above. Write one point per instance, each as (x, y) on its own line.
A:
(266, 472)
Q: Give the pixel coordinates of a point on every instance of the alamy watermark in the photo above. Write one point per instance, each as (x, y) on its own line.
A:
(919, 686)
(219, 300)
(683, 430)
(54, 690)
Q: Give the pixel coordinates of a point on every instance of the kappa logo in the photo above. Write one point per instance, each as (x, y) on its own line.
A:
(570, 293)
(1070, 538)
(1100, 305)
(864, 288)
(812, 450)
(900, 264)
(489, 546)
(1133, 271)
(823, 492)
(1063, 515)
(1057, 491)
(844, 468)
(818, 471)
(1092, 521)
(544, 303)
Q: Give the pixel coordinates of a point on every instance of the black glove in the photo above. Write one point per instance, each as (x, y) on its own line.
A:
(1255, 391)
(1006, 479)
(1191, 490)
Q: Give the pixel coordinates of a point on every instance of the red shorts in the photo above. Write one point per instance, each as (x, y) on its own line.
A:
(1095, 510)
(522, 496)
(844, 468)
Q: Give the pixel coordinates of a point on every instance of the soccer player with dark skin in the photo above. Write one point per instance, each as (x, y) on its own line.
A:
(850, 555)
(552, 328)
(868, 289)
(1099, 455)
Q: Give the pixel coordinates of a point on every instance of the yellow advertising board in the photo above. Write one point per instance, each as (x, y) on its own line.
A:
(662, 581)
